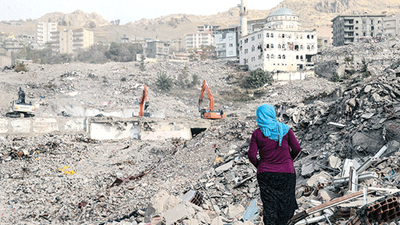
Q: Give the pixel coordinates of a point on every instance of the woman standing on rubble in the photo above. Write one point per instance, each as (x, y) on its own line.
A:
(275, 170)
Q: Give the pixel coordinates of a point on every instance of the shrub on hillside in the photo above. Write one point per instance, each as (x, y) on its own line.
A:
(20, 67)
(335, 77)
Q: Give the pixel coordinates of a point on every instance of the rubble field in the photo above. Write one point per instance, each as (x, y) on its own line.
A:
(347, 172)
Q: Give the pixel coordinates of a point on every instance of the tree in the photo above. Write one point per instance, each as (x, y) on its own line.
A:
(258, 78)
(163, 82)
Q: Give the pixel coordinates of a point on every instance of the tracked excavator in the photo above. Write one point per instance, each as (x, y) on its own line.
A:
(144, 103)
(209, 113)
(20, 108)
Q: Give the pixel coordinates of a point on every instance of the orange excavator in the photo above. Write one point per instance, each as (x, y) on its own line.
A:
(144, 103)
(209, 113)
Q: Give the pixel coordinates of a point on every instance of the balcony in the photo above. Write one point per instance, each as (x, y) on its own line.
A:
(80, 34)
(347, 29)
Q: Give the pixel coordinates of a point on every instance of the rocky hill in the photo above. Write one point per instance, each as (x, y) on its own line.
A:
(312, 14)
(75, 19)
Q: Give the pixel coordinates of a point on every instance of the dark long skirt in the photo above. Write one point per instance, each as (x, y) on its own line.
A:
(278, 197)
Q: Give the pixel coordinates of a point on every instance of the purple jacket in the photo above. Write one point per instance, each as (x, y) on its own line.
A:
(273, 158)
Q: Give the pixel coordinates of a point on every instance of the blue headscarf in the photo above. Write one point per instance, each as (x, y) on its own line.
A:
(266, 120)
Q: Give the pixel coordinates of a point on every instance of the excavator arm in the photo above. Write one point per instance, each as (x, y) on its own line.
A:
(209, 95)
(209, 113)
(144, 102)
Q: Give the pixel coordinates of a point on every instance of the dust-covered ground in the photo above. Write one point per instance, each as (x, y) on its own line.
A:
(69, 179)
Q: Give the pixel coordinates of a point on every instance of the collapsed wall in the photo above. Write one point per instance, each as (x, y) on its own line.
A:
(104, 128)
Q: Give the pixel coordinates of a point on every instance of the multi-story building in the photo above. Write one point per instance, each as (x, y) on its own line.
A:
(207, 29)
(43, 32)
(68, 41)
(347, 29)
(199, 40)
(324, 39)
(203, 37)
(391, 25)
(157, 50)
(226, 42)
(281, 45)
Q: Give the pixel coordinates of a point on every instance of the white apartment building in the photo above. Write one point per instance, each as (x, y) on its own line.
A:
(279, 45)
(226, 42)
(198, 40)
(203, 37)
(43, 32)
(68, 41)
(391, 25)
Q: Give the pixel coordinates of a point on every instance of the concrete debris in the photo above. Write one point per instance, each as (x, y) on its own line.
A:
(349, 129)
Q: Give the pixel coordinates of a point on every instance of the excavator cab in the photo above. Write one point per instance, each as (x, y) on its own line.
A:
(20, 108)
(209, 113)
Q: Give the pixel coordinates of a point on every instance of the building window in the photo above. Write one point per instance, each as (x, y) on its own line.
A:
(272, 35)
(272, 45)
(253, 48)
(267, 56)
(356, 21)
(259, 56)
(301, 57)
(253, 38)
(279, 45)
(267, 35)
(272, 56)
(230, 45)
(283, 35)
(301, 46)
(297, 57)
(312, 36)
(267, 45)
(246, 51)
(279, 56)
(283, 57)
(308, 36)
(372, 34)
(356, 28)
(240, 42)
(283, 45)
(259, 36)
(308, 46)
(246, 40)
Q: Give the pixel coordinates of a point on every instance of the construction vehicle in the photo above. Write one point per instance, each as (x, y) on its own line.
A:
(209, 113)
(144, 103)
(20, 108)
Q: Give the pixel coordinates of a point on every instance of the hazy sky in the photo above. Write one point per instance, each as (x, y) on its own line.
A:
(125, 10)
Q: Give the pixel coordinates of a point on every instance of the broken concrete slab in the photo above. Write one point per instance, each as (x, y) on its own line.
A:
(224, 167)
(334, 162)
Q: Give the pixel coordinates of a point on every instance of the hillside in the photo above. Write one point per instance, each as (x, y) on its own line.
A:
(312, 14)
